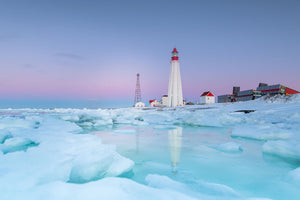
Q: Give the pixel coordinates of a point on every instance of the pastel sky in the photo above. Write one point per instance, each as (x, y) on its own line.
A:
(70, 49)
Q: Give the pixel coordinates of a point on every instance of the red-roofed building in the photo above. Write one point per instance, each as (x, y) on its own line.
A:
(275, 89)
(207, 98)
(154, 103)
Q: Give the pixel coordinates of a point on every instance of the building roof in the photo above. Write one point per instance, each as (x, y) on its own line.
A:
(165, 95)
(174, 50)
(208, 93)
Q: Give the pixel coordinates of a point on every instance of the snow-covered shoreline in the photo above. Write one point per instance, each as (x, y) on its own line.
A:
(44, 154)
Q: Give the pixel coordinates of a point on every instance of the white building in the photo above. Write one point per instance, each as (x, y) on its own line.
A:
(164, 100)
(175, 88)
(139, 105)
(207, 98)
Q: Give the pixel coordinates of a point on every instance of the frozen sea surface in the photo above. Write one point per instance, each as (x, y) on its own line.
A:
(192, 152)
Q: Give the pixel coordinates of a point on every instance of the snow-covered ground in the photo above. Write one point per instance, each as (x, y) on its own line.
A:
(213, 152)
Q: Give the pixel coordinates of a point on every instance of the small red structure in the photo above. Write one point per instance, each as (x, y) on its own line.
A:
(154, 103)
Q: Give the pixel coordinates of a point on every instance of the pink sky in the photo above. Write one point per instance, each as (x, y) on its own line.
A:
(93, 50)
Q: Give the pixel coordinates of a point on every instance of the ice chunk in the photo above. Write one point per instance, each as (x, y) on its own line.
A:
(295, 174)
(69, 117)
(140, 123)
(4, 135)
(92, 160)
(268, 132)
(215, 118)
(16, 144)
(229, 147)
(92, 166)
(155, 117)
(60, 156)
(119, 166)
(86, 123)
(88, 118)
(286, 149)
(50, 126)
(164, 127)
(14, 122)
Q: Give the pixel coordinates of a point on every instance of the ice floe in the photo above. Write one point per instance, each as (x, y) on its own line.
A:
(229, 147)
(4, 135)
(16, 144)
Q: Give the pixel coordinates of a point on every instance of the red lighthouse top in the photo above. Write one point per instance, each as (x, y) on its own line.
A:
(174, 54)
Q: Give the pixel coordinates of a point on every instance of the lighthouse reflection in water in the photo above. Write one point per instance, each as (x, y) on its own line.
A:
(153, 149)
(175, 140)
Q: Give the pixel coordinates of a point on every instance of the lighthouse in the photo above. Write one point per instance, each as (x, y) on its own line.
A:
(175, 88)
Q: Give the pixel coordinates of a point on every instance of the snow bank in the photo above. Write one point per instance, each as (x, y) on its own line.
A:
(198, 188)
(281, 98)
(207, 189)
(107, 188)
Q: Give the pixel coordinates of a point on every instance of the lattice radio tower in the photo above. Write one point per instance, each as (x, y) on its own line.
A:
(138, 96)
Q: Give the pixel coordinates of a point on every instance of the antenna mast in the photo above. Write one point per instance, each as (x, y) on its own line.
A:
(138, 96)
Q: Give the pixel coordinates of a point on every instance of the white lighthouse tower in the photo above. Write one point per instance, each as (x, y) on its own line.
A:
(175, 89)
